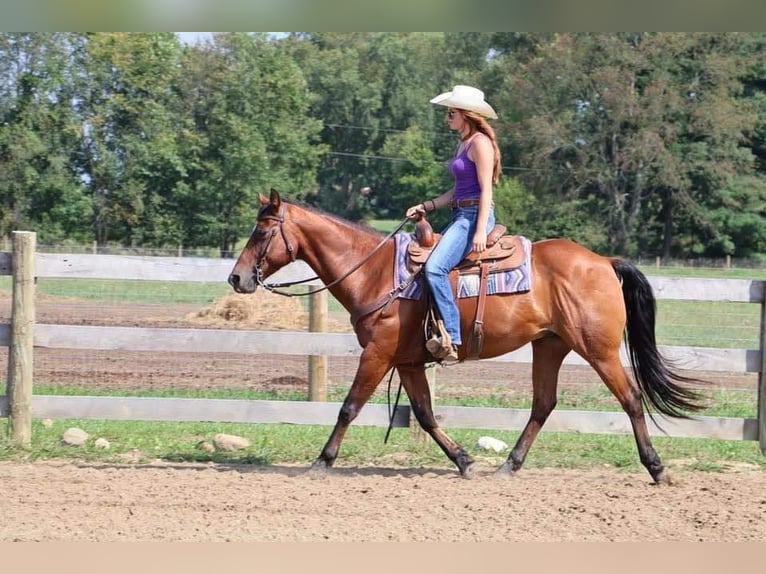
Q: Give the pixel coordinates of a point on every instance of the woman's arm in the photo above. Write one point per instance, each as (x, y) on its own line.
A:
(431, 204)
(482, 154)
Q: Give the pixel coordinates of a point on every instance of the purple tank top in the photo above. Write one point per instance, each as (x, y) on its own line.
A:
(463, 170)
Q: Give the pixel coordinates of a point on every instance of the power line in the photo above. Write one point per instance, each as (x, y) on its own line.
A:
(387, 130)
(391, 158)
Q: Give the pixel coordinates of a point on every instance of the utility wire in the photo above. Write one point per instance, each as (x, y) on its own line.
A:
(391, 158)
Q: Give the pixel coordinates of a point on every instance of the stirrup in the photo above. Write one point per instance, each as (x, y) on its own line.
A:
(439, 345)
(436, 348)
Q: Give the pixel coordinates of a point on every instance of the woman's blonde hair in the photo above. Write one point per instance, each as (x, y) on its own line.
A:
(479, 124)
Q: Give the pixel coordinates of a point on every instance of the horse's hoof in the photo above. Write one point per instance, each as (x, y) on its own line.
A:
(663, 478)
(467, 472)
(318, 469)
(505, 472)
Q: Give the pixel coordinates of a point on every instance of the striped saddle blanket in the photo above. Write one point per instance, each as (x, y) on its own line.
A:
(514, 280)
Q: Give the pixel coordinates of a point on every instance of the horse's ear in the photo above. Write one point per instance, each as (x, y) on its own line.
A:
(262, 199)
(274, 198)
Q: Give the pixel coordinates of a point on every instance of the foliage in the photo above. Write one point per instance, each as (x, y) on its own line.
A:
(638, 144)
(646, 130)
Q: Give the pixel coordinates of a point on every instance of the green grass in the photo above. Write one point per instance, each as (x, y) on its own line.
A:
(300, 444)
(687, 323)
(143, 441)
(705, 272)
(384, 225)
(708, 324)
(715, 324)
(127, 290)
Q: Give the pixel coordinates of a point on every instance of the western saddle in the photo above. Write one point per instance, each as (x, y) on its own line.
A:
(503, 252)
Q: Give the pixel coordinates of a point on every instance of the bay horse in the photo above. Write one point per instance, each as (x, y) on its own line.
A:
(579, 301)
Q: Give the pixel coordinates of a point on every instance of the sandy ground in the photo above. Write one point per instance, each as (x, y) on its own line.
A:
(190, 502)
(74, 501)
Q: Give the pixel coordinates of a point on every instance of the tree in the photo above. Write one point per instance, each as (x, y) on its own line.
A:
(640, 129)
(249, 131)
(38, 137)
(129, 158)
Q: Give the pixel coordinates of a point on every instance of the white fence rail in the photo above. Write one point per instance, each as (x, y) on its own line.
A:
(339, 344)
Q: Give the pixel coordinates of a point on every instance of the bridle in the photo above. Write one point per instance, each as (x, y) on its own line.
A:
(276, 287)
(257, 270)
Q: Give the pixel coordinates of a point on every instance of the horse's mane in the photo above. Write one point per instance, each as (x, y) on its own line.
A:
(337, 218)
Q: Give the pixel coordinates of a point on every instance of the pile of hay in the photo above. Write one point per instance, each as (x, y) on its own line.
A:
(261, 310)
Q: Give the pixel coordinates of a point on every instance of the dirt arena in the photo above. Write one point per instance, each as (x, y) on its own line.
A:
(161, 501)
(170, 502)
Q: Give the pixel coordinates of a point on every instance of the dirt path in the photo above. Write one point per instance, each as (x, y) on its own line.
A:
(62, 501)
(47, 501)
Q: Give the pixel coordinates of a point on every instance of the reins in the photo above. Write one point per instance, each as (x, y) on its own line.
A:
(275, 287)
(391, 412)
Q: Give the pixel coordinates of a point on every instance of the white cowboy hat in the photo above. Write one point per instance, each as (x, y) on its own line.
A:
(465, 98)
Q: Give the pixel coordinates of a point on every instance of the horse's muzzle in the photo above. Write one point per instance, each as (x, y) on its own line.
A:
(234, 282)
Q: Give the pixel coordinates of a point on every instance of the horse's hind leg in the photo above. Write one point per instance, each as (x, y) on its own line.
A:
(415, 383)
(628, 394)
(371, 370)
(547, 355)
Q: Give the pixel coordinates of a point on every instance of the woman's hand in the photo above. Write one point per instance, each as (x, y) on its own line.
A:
(416, 211)
(479, 242)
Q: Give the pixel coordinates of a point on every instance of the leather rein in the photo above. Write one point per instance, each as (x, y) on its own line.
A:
(276, 287)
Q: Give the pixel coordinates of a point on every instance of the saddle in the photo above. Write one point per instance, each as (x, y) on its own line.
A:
(503, 252)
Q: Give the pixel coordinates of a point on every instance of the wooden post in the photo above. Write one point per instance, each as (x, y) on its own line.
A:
(317, 363)
(762, 378)
(417, 434)
(20, 361)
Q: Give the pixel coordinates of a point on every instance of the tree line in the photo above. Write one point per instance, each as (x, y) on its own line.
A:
(634, 144)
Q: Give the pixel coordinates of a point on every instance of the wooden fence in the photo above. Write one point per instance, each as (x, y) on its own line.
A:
(22, 335)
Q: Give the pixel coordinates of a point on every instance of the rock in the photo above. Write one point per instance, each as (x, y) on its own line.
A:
(102, 443)
(230, 442)
(206, 446)
(491, 443)
(74, 437)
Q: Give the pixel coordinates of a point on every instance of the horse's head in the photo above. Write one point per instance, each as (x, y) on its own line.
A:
(267, 250)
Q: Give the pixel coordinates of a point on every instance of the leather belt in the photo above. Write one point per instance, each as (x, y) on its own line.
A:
(464, 203)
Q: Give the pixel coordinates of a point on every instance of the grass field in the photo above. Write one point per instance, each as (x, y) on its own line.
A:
(275, 444)
(692, 323)
(732, 325)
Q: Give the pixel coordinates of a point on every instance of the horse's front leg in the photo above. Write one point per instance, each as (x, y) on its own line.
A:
(415, 383)
(373, 365)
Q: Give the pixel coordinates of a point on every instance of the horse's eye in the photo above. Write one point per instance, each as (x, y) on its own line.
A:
(259, 233)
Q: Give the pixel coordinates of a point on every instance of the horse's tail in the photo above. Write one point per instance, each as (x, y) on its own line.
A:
(662, 388)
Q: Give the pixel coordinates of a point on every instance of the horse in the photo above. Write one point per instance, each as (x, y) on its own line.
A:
(580, 301)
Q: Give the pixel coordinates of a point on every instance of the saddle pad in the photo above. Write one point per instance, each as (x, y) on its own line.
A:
(515, 280)
(415, 289)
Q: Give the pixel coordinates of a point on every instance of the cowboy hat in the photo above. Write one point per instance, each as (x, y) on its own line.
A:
(465, 98)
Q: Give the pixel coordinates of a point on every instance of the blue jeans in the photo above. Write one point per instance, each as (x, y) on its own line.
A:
(453, 246)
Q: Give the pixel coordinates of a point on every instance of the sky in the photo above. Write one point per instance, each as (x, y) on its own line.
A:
(193, 37)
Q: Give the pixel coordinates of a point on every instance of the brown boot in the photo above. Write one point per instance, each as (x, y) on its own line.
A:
(451, 357)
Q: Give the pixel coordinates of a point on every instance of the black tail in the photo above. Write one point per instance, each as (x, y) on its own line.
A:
(661, 387)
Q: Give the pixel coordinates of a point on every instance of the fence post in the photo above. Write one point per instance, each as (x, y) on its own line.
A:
(762, 378)
(317, 363)
(20, 359)
(417, 434)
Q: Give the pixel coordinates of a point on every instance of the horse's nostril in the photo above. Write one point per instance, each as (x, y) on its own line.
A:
(234, 280)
